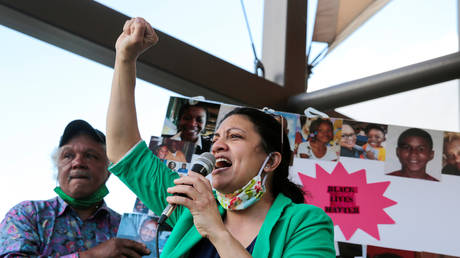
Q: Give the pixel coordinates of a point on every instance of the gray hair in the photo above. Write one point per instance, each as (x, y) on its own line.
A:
(55, 158)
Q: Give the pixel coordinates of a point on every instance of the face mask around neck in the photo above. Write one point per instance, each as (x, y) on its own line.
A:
(87, 202)
(248, 194)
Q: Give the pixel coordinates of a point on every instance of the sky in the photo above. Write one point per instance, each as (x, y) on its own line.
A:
(45, 87)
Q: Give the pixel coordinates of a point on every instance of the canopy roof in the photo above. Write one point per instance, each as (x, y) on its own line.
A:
(337, 19)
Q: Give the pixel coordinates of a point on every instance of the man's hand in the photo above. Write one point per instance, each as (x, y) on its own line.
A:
(117, 247)
(137, 36)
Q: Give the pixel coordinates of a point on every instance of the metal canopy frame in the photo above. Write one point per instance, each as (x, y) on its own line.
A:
(407, 78)
(172, 64)
(182, 68)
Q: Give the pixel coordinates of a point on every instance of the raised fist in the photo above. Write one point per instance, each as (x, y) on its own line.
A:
(137, 36)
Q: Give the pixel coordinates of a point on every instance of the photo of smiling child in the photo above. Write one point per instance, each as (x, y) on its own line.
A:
(418, 152)
(374, 148)
(321, 143)
(451, 155)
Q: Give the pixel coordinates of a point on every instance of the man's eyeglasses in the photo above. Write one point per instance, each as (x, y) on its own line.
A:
(348, 135)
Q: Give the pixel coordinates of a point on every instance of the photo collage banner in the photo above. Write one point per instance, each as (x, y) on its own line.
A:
(388, 189)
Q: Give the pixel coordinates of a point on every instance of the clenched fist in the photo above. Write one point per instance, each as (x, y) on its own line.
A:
(137, 36)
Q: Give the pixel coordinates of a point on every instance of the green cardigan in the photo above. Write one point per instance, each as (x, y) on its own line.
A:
(289, 229)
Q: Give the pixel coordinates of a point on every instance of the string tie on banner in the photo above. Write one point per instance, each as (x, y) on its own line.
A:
(314, 113)
(269, 110)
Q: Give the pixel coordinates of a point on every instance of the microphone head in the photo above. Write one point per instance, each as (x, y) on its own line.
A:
(206, 161)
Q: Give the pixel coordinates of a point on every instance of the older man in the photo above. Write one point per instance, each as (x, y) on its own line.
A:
(77, 222)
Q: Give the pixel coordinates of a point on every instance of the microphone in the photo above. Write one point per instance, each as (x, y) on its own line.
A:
(203, 165)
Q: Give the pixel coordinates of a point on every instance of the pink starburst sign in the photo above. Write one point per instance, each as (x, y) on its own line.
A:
(348, 199)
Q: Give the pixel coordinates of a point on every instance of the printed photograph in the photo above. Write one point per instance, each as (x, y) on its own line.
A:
(192, 121)
(318, 138)
(352, 139)
(172, 165)
(183, 168)
(382, 252)
(433, 255)
(142, 228)
(169, 149)
(140, 207)
(289, 122)
(348, 250)
(372, 138)
(451, 154)
(414, 153)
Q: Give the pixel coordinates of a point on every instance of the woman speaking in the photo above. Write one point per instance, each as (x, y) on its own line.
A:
(251, 208)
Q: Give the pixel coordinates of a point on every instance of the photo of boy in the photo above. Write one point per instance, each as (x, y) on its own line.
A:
(415, 149)
(183, 169)
(451, 155)
(374, 148)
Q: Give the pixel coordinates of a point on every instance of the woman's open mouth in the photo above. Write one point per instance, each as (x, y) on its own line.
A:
(223, 163)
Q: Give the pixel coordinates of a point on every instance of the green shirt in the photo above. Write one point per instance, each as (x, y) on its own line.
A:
(289, 229)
